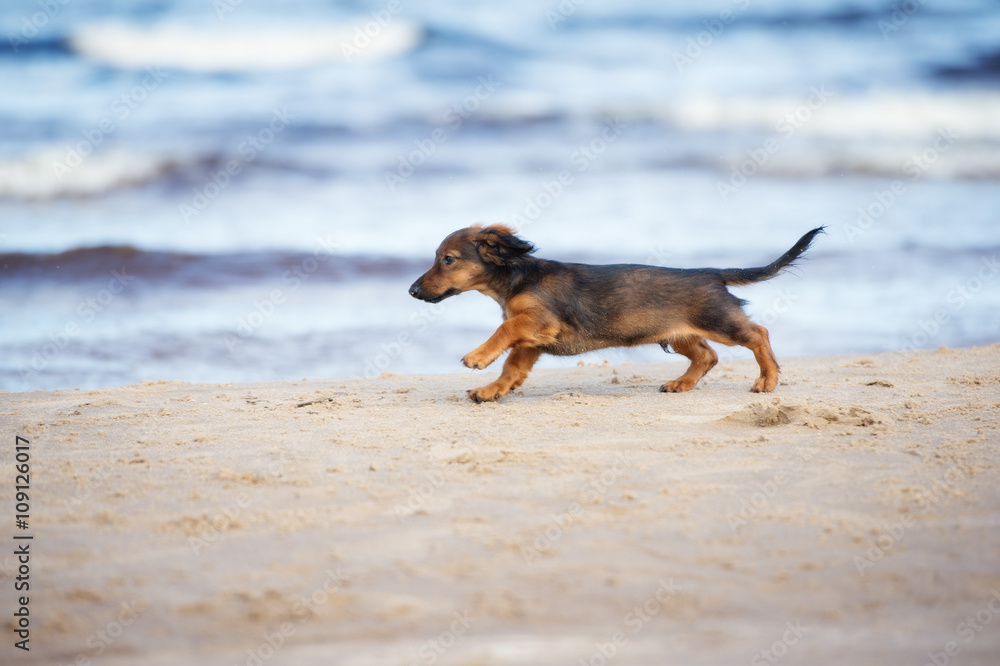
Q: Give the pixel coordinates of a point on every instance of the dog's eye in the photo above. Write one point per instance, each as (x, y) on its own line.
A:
(448, 260)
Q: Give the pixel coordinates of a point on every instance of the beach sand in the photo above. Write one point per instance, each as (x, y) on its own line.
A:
(851, 517)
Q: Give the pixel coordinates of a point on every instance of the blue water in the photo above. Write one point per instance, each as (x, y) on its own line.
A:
(244, 191)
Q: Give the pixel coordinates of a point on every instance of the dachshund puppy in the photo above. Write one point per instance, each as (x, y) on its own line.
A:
(550, 307)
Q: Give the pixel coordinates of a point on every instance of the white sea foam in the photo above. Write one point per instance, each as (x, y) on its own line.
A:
(890, 115)
(46, 173)
(896, 115)
(178, 46)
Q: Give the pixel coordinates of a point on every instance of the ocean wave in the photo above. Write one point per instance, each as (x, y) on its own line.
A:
(940, 158)
(881, 134)
(165, 269)
(983, 68)
(825, 112)
(51, 172)
(687, 20)
(820, 111)
(37, 47)
(178, 46)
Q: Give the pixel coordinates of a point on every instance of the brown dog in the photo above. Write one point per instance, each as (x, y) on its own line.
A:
(565, 309)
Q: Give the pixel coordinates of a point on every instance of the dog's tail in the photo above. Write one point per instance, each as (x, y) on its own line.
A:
(743, 276)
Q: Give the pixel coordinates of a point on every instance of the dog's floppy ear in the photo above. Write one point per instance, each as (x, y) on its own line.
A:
(497, 243)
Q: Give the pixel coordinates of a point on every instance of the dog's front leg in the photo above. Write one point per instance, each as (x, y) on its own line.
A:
(524, 329)
(501, 340)
(515, 371)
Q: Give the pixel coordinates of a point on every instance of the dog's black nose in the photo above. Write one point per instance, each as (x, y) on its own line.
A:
(414, 290)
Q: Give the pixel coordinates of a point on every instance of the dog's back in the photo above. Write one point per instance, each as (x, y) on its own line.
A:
(624, 305)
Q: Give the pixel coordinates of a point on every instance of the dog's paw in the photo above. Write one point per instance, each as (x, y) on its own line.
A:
(764, 385)
(677, 386)
(483, 394)
(477, 360)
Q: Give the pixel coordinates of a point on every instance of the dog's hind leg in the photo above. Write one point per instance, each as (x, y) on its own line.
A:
(760, 344)
(703, 358)
(755, 338)
(723, 320)
(515, 371)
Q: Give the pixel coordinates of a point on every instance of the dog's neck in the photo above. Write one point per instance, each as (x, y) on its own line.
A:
(506, 281)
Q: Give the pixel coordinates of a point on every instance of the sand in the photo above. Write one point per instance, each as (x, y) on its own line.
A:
(851, 517)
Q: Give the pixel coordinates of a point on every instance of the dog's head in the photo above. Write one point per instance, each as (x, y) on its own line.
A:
(467, 259)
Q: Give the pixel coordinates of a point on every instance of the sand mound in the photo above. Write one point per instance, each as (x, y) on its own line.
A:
(778, 413)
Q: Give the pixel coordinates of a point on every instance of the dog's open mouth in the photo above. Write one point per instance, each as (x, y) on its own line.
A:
(446, 294)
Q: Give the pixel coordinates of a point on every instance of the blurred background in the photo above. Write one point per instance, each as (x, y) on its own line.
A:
(244, 190)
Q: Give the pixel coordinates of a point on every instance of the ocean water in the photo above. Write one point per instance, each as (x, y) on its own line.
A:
(240, 191)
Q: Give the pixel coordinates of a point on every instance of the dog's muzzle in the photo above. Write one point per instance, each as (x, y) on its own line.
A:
(417, 292)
